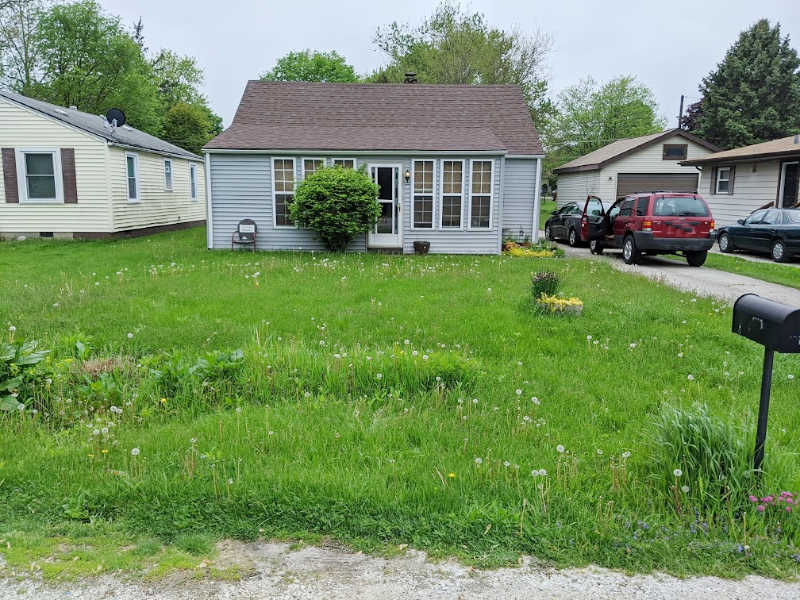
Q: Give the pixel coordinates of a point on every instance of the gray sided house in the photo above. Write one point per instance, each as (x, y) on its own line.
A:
(458, 166)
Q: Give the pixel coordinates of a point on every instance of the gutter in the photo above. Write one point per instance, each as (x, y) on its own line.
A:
(159, 152)
(350, 153)
(537, 203)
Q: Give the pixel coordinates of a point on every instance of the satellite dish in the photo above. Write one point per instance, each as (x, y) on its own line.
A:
(117, 115)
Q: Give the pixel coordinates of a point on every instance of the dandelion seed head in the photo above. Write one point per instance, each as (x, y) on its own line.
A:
(677, 472)
(560, 449)
(134, 452)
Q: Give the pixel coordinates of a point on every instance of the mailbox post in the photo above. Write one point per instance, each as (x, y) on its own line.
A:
(776, 327)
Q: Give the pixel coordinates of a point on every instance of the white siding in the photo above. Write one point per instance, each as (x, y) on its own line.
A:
(751, 190)
(23, 128)
(575, 186)
(603, 183)
(518, 197)
(156, 206)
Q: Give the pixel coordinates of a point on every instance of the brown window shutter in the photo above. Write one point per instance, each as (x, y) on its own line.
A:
(68, 175)
(733, 178)
(713, 188)
(10, 175)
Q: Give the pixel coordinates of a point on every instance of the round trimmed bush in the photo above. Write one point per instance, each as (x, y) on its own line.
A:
(338, 204)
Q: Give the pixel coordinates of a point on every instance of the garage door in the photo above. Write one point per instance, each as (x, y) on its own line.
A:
(630, 183)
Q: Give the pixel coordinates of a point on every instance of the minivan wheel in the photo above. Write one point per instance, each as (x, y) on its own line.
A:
(573, 238)
(778, 251)
(548, 233)
(724, 243)
(595, 247)
(630, 253)
(696, 259)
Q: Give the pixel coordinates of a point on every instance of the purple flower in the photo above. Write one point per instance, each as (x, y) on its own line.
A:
(760, 508)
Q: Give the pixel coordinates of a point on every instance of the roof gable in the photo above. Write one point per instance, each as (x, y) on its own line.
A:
(620, 148)
(352, 116)
(96, 125)
(788, 146)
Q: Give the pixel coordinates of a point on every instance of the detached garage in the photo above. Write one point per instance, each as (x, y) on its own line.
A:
(642, 164)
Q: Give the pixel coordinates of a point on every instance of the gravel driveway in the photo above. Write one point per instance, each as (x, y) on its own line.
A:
(273, 571)
(703, 281)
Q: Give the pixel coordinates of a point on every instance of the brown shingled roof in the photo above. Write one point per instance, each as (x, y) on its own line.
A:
(602, 156)
(354, 116)
(788, 146)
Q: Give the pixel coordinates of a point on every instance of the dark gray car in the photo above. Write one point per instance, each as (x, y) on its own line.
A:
(773, 231)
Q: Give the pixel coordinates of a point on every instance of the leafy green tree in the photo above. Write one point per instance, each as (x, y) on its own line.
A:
(589, 116)
(306, 65)
(88, 60)
(754, 93)
(457, 47)
(190, 126)
(19, 48)
(338, 204)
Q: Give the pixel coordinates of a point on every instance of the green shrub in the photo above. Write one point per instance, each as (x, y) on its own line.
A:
(338, 204)
(544, 283)
(16, 376)
(701, 459)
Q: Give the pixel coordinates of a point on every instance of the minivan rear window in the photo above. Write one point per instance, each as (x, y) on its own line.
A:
(679, 206)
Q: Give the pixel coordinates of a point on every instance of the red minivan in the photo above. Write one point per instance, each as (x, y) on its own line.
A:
(658, 223)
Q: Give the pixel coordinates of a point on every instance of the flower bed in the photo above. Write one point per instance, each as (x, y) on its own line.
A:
(559, 304)
(528, 251)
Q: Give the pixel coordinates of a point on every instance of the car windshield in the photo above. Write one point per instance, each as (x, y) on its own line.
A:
(679, 206)
(791, 217)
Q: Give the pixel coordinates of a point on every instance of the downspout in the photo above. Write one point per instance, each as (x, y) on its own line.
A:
(537, 202)
(209, 210)
(502, 197)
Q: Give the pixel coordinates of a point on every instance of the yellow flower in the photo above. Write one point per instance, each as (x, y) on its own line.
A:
(91, 456)
(104, 451)
(451, 475)
(163, 401)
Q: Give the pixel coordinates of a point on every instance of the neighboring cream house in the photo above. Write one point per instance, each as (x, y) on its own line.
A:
(641, 164)
(737, 182)
(66, 173)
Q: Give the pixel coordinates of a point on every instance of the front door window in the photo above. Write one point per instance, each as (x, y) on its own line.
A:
(386, 178)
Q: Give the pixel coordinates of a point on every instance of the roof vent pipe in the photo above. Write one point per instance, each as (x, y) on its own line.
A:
(410, 78)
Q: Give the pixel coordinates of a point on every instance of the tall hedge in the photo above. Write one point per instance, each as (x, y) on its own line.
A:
(338, 204)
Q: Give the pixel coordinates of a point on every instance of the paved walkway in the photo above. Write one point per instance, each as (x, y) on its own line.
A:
(703, 281)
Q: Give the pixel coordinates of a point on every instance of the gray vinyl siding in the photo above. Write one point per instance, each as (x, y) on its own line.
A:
(518, 197)
(241, 187)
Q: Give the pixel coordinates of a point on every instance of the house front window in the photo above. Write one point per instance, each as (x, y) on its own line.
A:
(423, 194)
(41, 183)
(345, 163)
(311, 165)
(132, 164)
(723, 184)
(452, 193)
(283, 178)
(480, 210)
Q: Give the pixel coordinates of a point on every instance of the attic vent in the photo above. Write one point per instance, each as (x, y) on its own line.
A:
(410, 78)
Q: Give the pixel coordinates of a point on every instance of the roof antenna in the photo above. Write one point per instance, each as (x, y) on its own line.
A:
(410, 78)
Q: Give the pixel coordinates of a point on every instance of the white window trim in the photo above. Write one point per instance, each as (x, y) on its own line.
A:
(193, 181)
(491, 196)
(22, 179)
(169, 185)
(137, 197)
(716, 183)
(414, 194)
(442, 194)
(335, 158)
(303, 165)
(274, 197)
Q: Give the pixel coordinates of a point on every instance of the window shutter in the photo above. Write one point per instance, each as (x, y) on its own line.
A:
(730, 183)
(68, 175)
(713, 188)
(10, 175)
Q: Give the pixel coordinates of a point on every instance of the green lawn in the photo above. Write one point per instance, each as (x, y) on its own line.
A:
(378, 400)
(547, 208)
(772, 272)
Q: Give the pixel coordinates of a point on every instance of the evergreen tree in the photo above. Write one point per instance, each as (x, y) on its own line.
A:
(754, 94)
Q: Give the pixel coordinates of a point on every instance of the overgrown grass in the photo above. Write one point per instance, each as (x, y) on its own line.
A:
(379, 400)
(785, 274)
(547, 208)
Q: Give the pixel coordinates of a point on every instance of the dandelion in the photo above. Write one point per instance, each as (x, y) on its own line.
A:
(690, 377)
(599, 452)
(11, 328)
(474, 400)
(633, 345)
(685, 489)
(238, 410)
(424, 357)
(134, 452)
(230, 481)
(130, 335)
(791, 376)
(163, 401)
(478, 460)
(588, 338)
(518, 392)
(626, 454)
(104, 431)
(273, 433)
(535, 400)
(414, 353)
(379, 376)
(96, 432)
(506, 464)
(406, 342)
(560, 449)
(451, 475)
(677, 472)
(680, 354)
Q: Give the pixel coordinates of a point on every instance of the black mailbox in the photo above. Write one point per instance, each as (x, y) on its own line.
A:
(771, 324)
(776, 327)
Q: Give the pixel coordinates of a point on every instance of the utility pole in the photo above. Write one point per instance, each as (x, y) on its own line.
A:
(680, 113)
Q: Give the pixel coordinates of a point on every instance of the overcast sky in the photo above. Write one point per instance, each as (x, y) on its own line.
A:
(669, 46)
